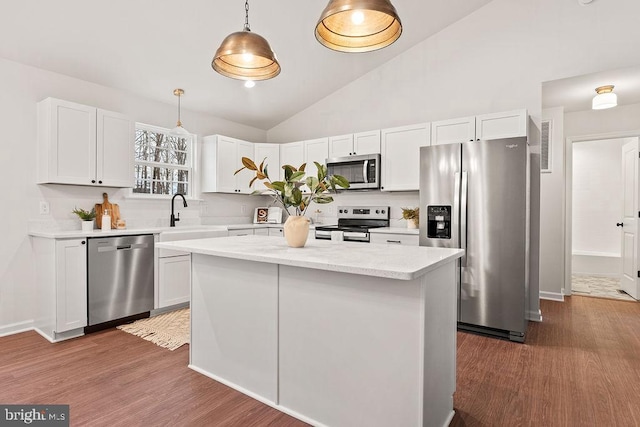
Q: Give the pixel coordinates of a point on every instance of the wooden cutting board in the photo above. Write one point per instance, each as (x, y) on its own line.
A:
(114, 211)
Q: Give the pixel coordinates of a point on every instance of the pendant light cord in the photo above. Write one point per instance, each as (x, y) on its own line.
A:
(246, 16)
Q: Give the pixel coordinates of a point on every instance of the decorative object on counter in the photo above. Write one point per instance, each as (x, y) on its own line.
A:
(179, 130)
(87, 218)
(121, 224)
(288, 194)
(106, 221)
(245, 55)
(114, 212)
(358, 25)
(260, 215)
(168, 330)
(412, 215)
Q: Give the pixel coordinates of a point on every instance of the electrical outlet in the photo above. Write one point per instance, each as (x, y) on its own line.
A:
(243, 209)
(44, 208)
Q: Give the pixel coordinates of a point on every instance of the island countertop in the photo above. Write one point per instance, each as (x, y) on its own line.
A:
(394, 262)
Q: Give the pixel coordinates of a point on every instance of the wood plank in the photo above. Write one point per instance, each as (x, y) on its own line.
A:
(580, 367)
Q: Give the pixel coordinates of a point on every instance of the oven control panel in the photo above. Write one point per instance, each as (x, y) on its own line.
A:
(364, 212)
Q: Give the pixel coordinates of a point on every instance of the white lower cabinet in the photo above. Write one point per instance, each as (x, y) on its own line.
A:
(279, 231)
(395, 239)
(62, 287)
(261, 231)
(241, 232)
(175, 280)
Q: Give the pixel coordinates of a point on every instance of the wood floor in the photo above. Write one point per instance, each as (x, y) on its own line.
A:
(580, 367)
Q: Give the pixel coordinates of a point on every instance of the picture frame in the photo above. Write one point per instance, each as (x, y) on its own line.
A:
(261, 215)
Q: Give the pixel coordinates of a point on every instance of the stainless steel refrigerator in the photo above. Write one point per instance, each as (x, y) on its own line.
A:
(474, 196)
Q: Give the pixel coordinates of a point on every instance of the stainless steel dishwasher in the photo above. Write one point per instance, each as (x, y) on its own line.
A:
(120, 277)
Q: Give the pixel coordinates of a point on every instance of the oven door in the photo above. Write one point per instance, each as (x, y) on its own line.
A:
(362, 172)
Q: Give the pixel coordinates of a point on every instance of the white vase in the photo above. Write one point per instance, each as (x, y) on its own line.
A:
(87, 225)
(412, 223)
(296, 230)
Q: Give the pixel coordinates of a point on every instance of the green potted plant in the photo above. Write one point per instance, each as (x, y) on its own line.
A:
(288, 194)
(412, 215)
(87, 218)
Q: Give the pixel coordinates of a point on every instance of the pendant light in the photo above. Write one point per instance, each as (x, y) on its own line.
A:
(245, 55)
(179, 130)
(605, 98)
(358, 25)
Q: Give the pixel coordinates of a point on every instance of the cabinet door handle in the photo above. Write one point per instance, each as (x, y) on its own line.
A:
(93, 181)
(394, 241)
(99, 182)
(83, 242)
(619, 224)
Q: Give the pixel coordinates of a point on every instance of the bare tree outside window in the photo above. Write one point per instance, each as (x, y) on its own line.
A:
(163, 162)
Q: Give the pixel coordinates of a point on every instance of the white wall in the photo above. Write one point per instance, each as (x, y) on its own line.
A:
(23, 87)
(597, 196)
(493, 60)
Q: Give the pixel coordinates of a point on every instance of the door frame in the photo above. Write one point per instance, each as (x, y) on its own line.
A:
(568, 194)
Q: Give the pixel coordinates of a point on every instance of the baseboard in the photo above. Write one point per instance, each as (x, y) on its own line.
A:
(16, 328)
(553, 296)
(534, 316)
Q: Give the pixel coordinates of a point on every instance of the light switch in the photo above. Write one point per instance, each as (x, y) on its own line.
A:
(44, 207)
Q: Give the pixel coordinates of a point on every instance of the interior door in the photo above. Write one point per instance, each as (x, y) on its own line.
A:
(629, 250)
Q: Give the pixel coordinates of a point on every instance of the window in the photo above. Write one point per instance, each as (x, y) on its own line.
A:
(163, 162)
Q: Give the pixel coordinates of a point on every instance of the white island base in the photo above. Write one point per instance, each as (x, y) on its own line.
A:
(330, 348)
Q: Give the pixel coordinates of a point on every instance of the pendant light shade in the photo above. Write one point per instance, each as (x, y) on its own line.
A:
(179, 130)
(605, 98)
(358, 25)
(245, 55)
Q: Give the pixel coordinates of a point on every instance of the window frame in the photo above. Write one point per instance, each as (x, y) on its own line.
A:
(191, 160)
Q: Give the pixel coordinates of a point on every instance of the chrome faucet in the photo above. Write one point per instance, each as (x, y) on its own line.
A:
(173, 217)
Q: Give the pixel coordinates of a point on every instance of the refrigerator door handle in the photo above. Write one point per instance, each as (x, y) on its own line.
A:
(455, 224)
(463, 217)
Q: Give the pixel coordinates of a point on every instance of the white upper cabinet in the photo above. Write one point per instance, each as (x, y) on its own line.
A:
(315, 150)
(83, 145)
(354, 144)
(401, 156)
(454, 130)
(270, 153)
(221, 157)
(341, 146)
(366, 142)
(507, 124)
(292, 154)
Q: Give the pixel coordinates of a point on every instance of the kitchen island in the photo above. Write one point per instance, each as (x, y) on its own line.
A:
(335, 333)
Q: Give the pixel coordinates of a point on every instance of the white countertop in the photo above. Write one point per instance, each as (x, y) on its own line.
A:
(74, 234)
(395, 230)
(394, 262)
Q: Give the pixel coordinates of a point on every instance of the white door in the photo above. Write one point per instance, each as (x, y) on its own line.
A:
(114, 158)
(629, 252)
(341, 146)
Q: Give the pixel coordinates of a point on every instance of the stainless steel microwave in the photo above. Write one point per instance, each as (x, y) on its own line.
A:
(362, 172)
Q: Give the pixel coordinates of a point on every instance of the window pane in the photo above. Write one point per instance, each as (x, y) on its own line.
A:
(157, 146)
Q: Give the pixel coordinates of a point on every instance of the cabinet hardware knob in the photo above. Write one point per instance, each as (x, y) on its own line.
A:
(83, 242)
(99, 182)
(93, 181)
(619, 224)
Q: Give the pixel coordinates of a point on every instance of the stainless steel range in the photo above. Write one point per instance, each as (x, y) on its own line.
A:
(355, 221)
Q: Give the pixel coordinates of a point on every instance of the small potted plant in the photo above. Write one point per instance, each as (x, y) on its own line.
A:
(87, 218)
(412, 215)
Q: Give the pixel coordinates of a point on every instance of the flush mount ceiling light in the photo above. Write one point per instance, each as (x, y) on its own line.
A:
(358, 25)
(605, 98)
(245, 55)
(179, 130)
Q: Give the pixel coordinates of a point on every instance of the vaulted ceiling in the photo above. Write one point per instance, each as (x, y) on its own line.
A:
(150, 47)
